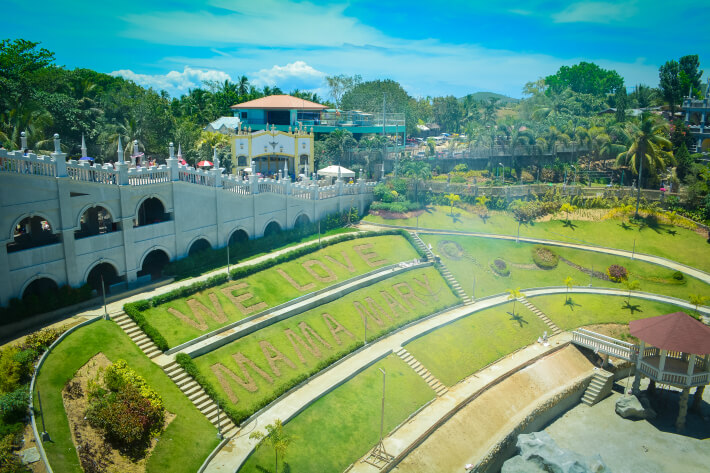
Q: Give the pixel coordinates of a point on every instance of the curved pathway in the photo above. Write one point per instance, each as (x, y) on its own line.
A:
(683, 268)
(236, 451)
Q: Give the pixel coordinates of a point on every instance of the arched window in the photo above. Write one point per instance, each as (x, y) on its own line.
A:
(32, 232)
(199, 245)
(272, 228)
(302, 221)
(95, 221)
(238, 237)
(154, 263)
(151, 211)
(105, 271)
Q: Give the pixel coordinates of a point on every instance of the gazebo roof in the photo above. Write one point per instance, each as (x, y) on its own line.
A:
(676, 332)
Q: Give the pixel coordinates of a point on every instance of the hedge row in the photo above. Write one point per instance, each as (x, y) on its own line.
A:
(134, 309)
(45, 302)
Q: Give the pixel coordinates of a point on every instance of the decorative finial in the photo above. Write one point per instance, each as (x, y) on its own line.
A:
(23, 141)
(179, 155)
(57, 144)
(120, 151)
(286, 168)
(83, 146)
(215, 159)
(135, 148)
(172, 150)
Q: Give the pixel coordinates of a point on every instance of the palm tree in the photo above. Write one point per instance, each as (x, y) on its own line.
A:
(697, 300)
(242, 87)
(514, 295)
(452, 198)
(276, 437)
(648, 143)
(567, 208)
(417, 170)
(631, 286)
(568, 283)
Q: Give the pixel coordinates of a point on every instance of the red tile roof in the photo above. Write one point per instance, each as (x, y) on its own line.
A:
(676, 332)
(279, 102)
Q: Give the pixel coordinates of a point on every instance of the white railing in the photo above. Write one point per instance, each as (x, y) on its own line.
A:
(273, 186)
(83, 171)
(31, 164)
(236, 185)
(327, 192)
(350, 189)
(142, 176)
(195, 176)
(300, 191)
(603, 344)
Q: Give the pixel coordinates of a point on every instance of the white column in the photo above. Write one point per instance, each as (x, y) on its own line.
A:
(637, 375)
(691, 366)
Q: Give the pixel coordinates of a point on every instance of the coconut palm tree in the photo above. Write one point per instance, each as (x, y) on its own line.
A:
(568, 283)
(418, 171)
(452, 198)
(697, 300)
(647, 143)
(514, 295)
(276, 437)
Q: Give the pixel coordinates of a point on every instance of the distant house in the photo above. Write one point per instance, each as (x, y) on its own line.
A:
(224, 125)
(697, 113)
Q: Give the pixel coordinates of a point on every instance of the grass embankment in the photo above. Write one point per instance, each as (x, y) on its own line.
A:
(675, 243)
(182, 447)
(457, 350)
(344, 424)
(588, 309)
(275, 286)
(277, 357)
(467, 257)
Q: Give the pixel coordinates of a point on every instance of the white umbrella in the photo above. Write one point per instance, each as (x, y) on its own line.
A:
(334, 171)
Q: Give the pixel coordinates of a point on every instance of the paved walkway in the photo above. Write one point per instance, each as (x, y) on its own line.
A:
(231, 457)
(689, 270)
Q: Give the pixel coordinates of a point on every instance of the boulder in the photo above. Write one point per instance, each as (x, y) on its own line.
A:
(539, 453)
(630, 407)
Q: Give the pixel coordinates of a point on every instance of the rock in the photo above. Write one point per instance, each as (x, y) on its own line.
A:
(29, 455)
(630, 407)
(539, 453)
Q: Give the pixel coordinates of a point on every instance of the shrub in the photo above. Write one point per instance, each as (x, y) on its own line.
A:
(131, 310)
(500, 267)
(40, 341)
(544, 257)
(9, 462)
(46, 302)
(10, 369)
(118, 375)
(617, 273)
(678, 276)
(13, 405)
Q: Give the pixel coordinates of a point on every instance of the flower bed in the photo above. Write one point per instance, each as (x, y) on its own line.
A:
(500, 267)
(544, 257)
(617, 273)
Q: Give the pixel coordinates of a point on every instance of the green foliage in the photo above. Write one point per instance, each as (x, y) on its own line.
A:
(9, 462)
(31, 305)
(544, 257)
(119, 374)
(617, 273)
(14, 404)
(584, 78)
(131, 310)
(41, 340)
(401, 207)
(500, 267)
(678, 276)
(10, 369)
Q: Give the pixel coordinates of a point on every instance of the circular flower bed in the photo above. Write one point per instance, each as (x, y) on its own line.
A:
(617, 273)
(544, 257)
(500, 267)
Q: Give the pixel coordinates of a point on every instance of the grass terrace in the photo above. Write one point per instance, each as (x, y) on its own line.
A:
(457, 350)
(182, 447)
(672, 242)
(187, 318)
(252, 371)
(343, 425)
(467, 257)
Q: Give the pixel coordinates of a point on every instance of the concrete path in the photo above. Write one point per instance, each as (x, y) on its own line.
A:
(689, 270)
(236, 451)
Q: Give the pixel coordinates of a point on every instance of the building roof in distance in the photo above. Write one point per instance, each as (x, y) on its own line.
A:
(675, 332)
(279, 102)
(223, 122)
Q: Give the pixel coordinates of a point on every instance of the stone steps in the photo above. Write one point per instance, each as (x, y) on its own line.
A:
(137, 335)
(439, 388)
(599, 388)
(553, 328)
(194, 392)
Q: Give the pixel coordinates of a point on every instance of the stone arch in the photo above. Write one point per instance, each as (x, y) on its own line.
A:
(272, 228)
(30, 231)
(151, 209)
(301, 221)
(198, 244)
(94, 219)
(105, 268)
(238, 236)
(38, 285)
(26, 215)
(153, 262)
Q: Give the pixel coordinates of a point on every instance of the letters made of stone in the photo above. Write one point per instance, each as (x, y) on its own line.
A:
(309, 345)
(247, 303)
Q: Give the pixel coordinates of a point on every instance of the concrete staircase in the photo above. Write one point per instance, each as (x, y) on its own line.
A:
(554, 328)
(442, 269)
(433, 383)
(599, 388)
(200, 399)
(136, 334)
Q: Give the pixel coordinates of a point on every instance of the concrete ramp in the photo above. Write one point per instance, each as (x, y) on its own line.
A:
(469, 435)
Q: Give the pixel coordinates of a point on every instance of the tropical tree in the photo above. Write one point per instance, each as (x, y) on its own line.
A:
(452, 198)
(697, 300)
(338, 143)
(647, 143)
(481, 207)
(631, 286)
(568, 282)
(276, 437)
(523, 213)
(418, 171)
(567, 208)
(514, 295)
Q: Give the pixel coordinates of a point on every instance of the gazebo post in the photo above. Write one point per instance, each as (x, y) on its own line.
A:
(698, 398)
(637, 375)
(683, 410)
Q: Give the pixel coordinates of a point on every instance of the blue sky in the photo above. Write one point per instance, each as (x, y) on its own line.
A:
(432, 48)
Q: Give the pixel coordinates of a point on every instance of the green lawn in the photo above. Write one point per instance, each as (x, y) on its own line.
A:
(467, 257)
(457, 350)
(182, 447)
(588, 309)
(278, 355)
(179, 322)
(680, 244)
(343, 425)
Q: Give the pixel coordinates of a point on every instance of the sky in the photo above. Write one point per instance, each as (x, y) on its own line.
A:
(431, 48)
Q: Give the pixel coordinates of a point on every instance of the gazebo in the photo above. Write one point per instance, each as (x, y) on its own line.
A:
(674, 350)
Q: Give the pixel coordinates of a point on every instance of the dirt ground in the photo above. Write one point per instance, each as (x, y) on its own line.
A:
(637, 446)
(468, 436)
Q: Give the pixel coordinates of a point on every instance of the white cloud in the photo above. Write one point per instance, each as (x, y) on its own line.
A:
(295, 75)
(596, 12)
(174, 82)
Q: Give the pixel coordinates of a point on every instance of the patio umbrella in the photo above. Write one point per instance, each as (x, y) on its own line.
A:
(203, 164)
(86, 158)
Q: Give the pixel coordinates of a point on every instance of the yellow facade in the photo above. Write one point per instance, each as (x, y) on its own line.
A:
(273, 150)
